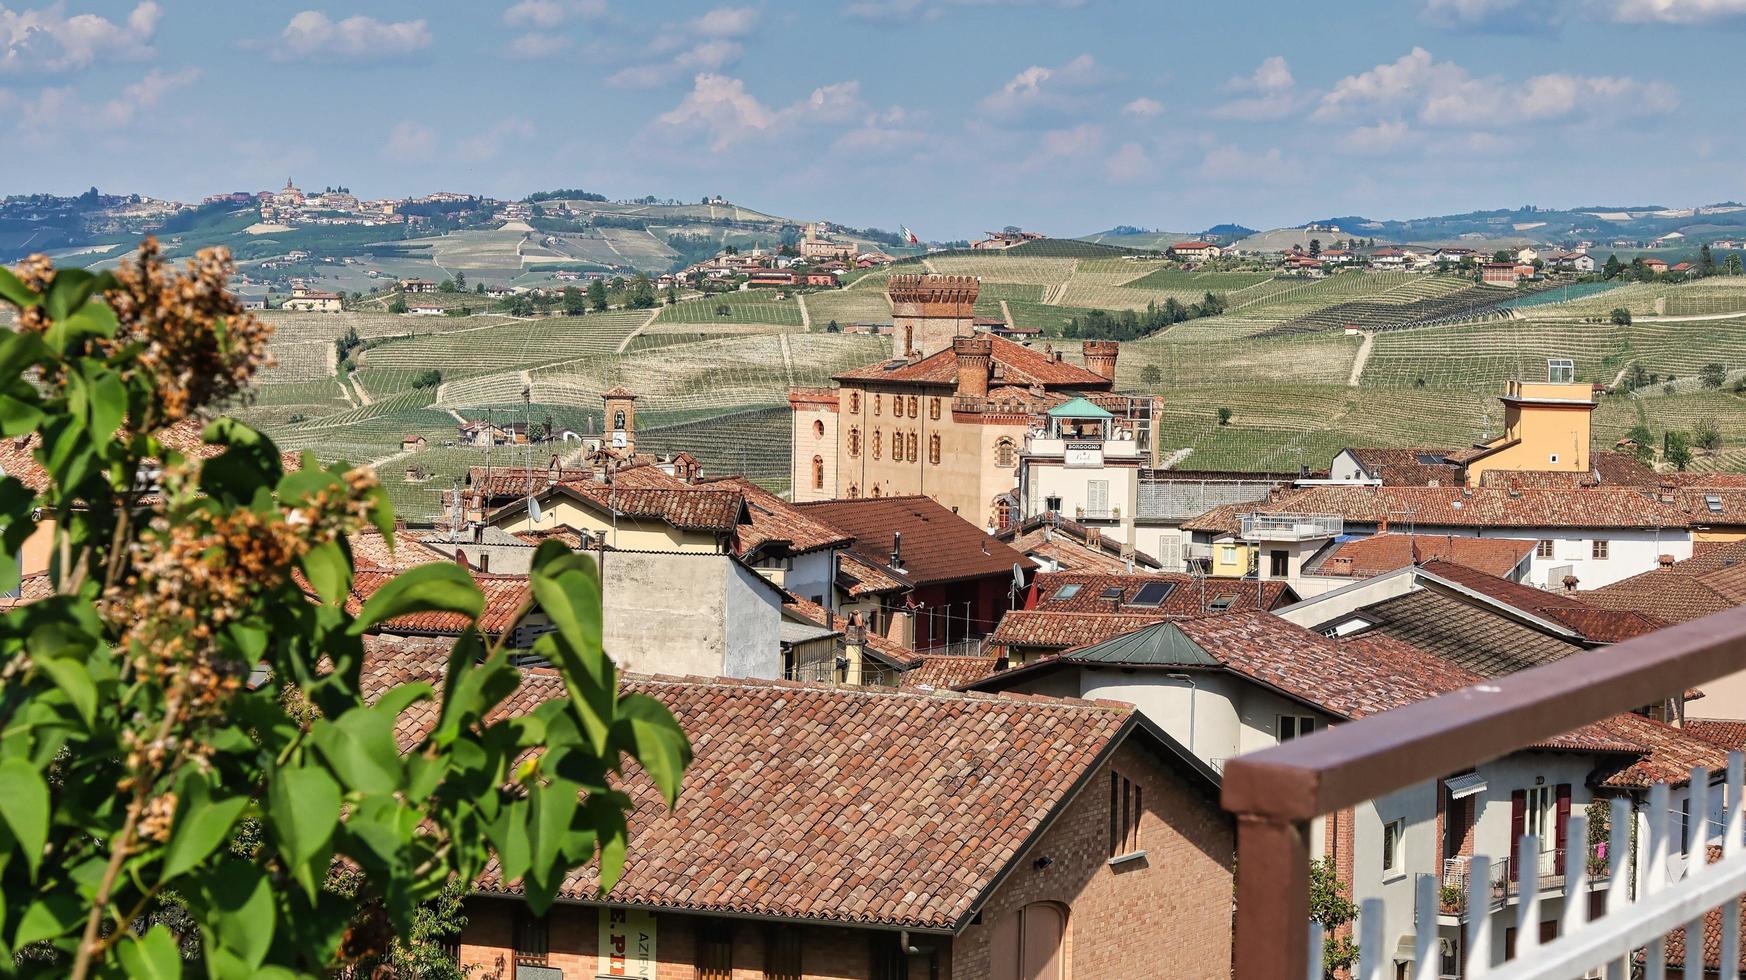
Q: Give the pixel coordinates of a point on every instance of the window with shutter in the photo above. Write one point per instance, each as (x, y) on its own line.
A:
(782, 954)
(715, 951)
(1097, 497)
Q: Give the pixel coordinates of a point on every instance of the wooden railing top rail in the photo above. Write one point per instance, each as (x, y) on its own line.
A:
(1351, 763)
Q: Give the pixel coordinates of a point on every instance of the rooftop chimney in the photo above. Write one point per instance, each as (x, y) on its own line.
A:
(485, 562)
(1570, 583)
(1665, 561)
(1100, 357)
(974, 356)
(897, 550)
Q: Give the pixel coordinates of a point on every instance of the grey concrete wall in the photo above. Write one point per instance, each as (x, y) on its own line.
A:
(689, 613)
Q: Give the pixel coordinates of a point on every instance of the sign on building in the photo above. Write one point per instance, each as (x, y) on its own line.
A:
(1084, 455)
(627, 943)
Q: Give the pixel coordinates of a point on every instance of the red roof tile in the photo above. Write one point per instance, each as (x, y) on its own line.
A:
(947, 672)
(938, 545)
(1031, 628)
(1727, 733)
(841, 805)
(863, 578)
(776, 523)
(1018, 364)
(1596, 624)
(506, 596)
(1380, 553)
(1185, 595)
(1481, 507)
(1686, 590)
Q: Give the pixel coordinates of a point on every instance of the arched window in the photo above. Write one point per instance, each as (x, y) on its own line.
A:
(934, 409)
(1005, 453)
(876, 490)
(934, 449)
(1030, 944)
(854, 403)
(618, 419)
(855, 441)
(818, 472)
(909, 447)
(877, 435)
(914, 404)
(818, 428)
(897, 406)
(908, 339)
(877, 398)
(854, 491)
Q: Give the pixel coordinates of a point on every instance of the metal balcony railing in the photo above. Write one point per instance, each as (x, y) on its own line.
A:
(1276, 793)
(1504, 883)
(1290, 527)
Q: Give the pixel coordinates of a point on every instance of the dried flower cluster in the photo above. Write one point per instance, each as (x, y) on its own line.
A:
(197, 342)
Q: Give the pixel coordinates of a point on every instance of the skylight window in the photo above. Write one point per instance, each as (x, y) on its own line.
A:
(1153, 593)
(1066, 592)
(1222, 603)
(1713, 502)
(1113, 592)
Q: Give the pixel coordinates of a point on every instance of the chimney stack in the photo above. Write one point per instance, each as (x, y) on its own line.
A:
(1100, 357)
(974, 354)
(1665, 561)
(897, 550)
(485, 562)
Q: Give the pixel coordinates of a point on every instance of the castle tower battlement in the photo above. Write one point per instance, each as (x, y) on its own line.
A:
(928, 311)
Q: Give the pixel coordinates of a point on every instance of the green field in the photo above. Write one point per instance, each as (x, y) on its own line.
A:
(746, 306)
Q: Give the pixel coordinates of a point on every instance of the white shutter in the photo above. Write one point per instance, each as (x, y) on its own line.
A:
(1098, 491)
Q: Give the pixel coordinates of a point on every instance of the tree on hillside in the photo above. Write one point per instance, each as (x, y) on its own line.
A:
(641, 294)
(1706, 435)
(1643, 442)
(597, 294)
(1675, 450)
(833, 327)
(1612, 269)
(1620, 316)
(1502, 255)
(1224, 416)
(574, 304)
(1706, 264)
(1150, 376)
(446, 286)
(1712, 375)
(1315, 247)
(672, 294)
(156, 803)
(398, 304)
(460, 282)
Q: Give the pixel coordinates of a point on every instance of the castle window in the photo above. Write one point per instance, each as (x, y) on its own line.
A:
(818, 472)
(877, 399)
(854, 403)
(818, 428)
(855, 441)
(909, 447)
(876, 493)
(854, 491)
(877, 435)
(897, 406)
(934, 449)
(914, 405)
(618, 419)
(934, 408)
(1005, 453)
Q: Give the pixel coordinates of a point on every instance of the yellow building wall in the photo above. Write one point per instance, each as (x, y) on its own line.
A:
(1231, 559)
(1720, 534)
(967, 477)
(628, 534)
(38, 549)
(807, 442)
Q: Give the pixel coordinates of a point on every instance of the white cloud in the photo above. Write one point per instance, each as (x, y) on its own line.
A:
(1386, 135)
(708, 56)
(550, 13)
(1042, 87)
(536, 45)
(1442, 93)
(1267, 94)
(726, 22)
(901, 10)
(410, 142)
(144, 95)
(882, 132)
(490, 143)
(1143, 108)
(312, 35)
(720, 112)
(1129, 163)
(1227, 162)
(720, 106)
(46, 39)
(1676, 11)
(1493, 16)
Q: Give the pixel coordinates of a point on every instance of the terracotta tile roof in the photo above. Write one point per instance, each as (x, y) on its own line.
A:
(1223, 519)
(881, 648)
(1034, 629)
(1379, 553)
(30, 588)
(1729, 509)
(18, 460)
(371, 550)
(505, 595)
(1691, 589)
(1727, 733)
(1481, 507)
(859, 578)
(687, 508)
(947, 672)
(1595, 624)
(853, 806)
(1470, 636)
(1674, 947)
(938, 545)
(1670, 754)
(1184, 595)
(776, 524)
(573, 539)
(1017, 364)
(1408, 467)
(1071, 546)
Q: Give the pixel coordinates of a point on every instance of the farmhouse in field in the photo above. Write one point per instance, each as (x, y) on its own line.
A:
(1196, 251)
(305, 300)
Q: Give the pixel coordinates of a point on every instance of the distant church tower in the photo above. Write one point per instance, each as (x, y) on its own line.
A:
(621, 419)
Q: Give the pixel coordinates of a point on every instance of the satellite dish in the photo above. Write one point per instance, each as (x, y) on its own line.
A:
(1018, 576)
(533, 510)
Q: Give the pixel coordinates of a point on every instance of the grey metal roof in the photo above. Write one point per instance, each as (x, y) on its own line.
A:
(1157, 645)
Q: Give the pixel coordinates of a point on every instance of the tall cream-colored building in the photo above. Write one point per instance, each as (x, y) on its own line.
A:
(946, 416)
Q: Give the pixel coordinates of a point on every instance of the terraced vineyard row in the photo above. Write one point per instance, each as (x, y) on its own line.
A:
(747, 306)
(521, 344)
(1425, 302)
(755, 444)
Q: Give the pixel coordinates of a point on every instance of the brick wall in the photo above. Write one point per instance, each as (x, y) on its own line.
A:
(1165, 915)
(827, 953)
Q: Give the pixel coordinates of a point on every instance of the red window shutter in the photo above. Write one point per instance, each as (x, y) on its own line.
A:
(1562, 829)
(1518, 826)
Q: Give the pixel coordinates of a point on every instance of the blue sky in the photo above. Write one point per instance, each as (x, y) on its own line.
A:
(950, 116)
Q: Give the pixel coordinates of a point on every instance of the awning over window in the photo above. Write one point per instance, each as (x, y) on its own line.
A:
(1463, 786)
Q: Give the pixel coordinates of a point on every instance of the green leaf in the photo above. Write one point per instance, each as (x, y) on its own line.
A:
(202, 826)
(48, 917)
(153, 956)
(436, 587)
(360, 746)
(14, 291)
(330, 571)
(249, 463)
(24, 805)
(303, 808)
(74, 680)
(18, 416)
(655, 740)
(67, 292)
(239, 919)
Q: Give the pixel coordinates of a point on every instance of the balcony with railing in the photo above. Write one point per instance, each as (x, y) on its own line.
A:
(1290, 527)
(1652, 882)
